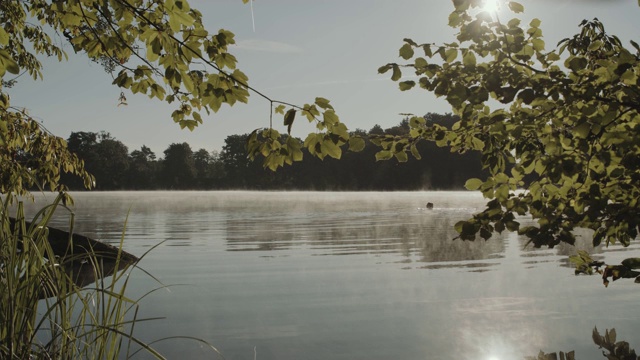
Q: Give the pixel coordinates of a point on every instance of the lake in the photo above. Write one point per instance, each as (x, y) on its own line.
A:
(331, 275)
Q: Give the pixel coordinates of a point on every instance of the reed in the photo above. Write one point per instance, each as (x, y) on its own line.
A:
(45, 313)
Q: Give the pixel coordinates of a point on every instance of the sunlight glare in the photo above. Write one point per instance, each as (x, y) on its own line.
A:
(491, 5)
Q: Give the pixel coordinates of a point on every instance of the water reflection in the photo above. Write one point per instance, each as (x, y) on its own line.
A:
(417, 236)
(349, 276)
(318, 224)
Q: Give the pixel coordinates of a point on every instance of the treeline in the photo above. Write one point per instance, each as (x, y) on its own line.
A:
(115, 168)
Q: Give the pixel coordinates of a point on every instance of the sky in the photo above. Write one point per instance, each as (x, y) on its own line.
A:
(300, 49)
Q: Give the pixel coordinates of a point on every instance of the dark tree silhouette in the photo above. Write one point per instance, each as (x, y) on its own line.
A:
(178, 167)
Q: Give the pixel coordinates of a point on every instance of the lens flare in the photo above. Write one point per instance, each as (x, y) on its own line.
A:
(491, 5)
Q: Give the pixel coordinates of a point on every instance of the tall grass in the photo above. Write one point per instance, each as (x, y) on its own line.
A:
(45, 312)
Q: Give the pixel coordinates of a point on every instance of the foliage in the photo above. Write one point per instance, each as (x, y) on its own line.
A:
(159, 48)
(558, 129)
(553, 356)
(31, 157)
(143, 169)
(106, 158)
(178, 167)
(614, 350)
(617, 350)
(587, 265)
(327, 141)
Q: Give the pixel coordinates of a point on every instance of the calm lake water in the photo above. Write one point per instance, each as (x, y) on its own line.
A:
(315, 275)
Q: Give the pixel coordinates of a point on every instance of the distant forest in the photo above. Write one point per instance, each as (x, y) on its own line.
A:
(181, 168)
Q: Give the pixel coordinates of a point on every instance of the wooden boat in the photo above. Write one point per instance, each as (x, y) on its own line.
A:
(85, 260)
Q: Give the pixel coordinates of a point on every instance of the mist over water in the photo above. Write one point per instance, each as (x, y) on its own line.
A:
(322, 275)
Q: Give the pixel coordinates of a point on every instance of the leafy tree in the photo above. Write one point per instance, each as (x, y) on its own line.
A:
(144, 154)
(178, 168)
(84, 143)
(217, 169)
(237, 166)
(112, 164)
(142, 169)
(376, 129)
(202, 161)
(561, 124)
(104, 157)
(107, 158)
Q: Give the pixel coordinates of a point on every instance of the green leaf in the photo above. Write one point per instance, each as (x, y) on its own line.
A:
(415, 152)
(330, 117)
(297, 155)
(535, 23)
(502, 193)
(288, 119)
(383, 69)
(384, 155)
(406, 85)
(407, 40)
(552, 56)
(629, 77)
(457, 95)
(477, 143)
(458, 226)
(397, 74)
(341, 131)
(450, 55)
(427, 50)
(406, 51)
(631, 263)
(401, 156)
(71, 19)
(7, 63)
(3, 129)
(197, 117)
(516, 7)
(174, 24)
(420, 63)
(455, 19)
(331, 149)
(469, 59)
(512, 225)
(583, 130)
(473, 184)
(356, 143)
(323, 103)
(4, 37)
(310, 112)
(595, 45)
(538, 45)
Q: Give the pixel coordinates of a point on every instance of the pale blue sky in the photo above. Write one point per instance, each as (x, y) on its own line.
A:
(300, 49)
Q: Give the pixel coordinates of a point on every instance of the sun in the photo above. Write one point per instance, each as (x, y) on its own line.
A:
(491, 5)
